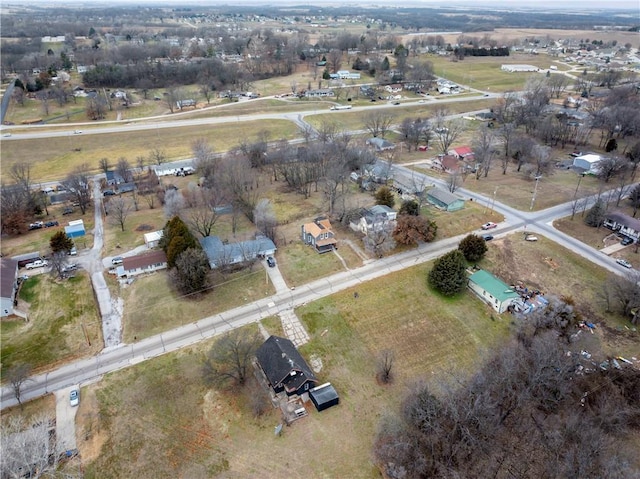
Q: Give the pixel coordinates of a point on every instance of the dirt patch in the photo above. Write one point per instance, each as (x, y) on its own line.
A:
(145, 227)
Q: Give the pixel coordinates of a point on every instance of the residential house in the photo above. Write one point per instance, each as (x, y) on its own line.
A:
(347, 75)
(320, 235)
(319, 93)
(393, 88)
(625, 224)
(368, 219)
(445, 200)
(462, 153)
(449, 163)
(492, 291)
(152, 240)
(380, 144)
(221, 254)
(284, 367)
(142, 263)
(114, 178)
(126, 187)
(8, 285)
(180, 104)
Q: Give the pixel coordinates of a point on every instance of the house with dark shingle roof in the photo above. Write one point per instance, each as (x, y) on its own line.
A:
(625, 224)
(284, 367)
(8, 285)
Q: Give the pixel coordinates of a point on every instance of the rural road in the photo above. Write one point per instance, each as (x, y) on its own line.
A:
(121, 356)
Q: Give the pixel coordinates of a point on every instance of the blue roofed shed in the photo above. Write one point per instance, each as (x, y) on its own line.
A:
(75, 229)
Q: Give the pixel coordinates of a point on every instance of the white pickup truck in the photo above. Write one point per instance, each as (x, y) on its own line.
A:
(340, 107)
(39, 263)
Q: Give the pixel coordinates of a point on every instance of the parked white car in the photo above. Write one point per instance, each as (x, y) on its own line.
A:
(39, 263)
(531, 238)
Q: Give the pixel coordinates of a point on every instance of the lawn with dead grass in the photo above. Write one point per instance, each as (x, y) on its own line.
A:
(152, 305)
(63, 323)
(57, 156)
(145, 411)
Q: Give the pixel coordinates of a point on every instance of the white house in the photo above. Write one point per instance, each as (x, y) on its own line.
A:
(142, 263)
(492, 291)
(369, 219)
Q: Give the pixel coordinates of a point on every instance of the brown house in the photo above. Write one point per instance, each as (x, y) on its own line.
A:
(142, 263)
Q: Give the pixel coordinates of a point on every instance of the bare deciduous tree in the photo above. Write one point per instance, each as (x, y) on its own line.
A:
(229, 360)
(119, 209)
(378, 123)
(78, 184)
(17, 375)
(384, 366)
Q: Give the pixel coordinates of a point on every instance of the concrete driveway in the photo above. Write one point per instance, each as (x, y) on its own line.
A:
(275, 276)
(65, 420)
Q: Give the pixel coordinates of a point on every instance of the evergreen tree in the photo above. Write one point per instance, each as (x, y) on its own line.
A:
(385, 65)
(473, 247)
(176, 239)
(409, 207)
(384, 196)
(60, 242)
(448, 274)
(595, 217)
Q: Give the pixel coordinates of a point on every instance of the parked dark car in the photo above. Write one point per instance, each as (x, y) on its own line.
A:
(271, 262)
(109, 193)
(487, 237)
(68, 210)
(626, 241)
(50, 224)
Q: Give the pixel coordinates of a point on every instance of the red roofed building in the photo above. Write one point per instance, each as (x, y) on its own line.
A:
(462, 152)
(319, 235)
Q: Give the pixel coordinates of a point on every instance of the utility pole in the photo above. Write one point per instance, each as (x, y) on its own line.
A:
(535, 190)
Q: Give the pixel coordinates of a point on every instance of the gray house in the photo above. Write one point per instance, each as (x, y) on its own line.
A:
(221, 254)
(625, 224)
(8, 285)
(380, 144)
(444, 200)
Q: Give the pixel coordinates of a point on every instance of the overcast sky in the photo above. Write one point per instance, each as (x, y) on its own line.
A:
(574, 5)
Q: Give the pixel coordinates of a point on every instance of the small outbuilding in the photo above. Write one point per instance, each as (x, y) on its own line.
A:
(324, 396)
(152, 240)
(444, 200)
(8, 285)
(587, 162)
(75, 229)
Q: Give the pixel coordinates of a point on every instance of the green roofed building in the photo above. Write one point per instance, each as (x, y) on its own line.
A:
(492, 291)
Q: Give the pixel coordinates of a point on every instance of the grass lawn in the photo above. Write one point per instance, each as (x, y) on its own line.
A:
(151, 304)
(63, 320)
(300, 264)
(137, 224)
(458, 222)
(57, 156)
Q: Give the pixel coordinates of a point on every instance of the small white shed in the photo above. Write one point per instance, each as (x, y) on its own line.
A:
(152, 240)
(587, 162)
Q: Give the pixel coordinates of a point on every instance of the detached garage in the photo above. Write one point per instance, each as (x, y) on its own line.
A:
(75, 229)
(324, 396)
